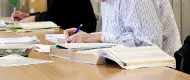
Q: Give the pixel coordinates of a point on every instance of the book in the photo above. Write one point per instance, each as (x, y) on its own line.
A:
(38, 25)
(126, 57)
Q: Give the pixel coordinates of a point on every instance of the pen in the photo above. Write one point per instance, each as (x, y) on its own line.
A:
(77, 30)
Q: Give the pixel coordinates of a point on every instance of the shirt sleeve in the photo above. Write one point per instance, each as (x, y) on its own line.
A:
(42, 16)
(171, 35)
(129, 20)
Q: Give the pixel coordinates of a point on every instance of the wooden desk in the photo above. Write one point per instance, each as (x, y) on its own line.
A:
(65, 70)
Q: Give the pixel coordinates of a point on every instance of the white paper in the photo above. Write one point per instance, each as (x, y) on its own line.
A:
(6, 23)
(38, 25)
(43, 48)
(17, 60)
(54, 37)
(17, 46)
(19, 40)
(87, 46)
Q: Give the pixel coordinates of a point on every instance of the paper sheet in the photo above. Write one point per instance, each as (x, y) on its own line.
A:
(38, 25)
(6, 23)
(17, 60)
(18, 40)
(43, 48)
(87, 46)
(54, 37)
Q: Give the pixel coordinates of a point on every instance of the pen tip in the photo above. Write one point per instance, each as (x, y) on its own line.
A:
(81, 24)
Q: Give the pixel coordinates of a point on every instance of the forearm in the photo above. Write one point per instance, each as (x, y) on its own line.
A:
(94, 38)
(126, 39)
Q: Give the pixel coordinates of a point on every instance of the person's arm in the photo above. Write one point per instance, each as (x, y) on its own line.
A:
(41, 17)
(33, 14)
(171, 39)
(136, 18)
(46, 15)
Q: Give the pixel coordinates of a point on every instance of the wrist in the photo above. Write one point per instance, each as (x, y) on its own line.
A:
(27, 14)
(95, 38)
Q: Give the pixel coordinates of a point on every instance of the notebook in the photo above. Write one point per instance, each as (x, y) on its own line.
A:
(126, 57)
(38, 25)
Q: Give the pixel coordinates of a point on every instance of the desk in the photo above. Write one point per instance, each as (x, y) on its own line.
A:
(65, 70)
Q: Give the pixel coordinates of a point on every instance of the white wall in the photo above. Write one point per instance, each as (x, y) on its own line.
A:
(96, 7)
(5, 8)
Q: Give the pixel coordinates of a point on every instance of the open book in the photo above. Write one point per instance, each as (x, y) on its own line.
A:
(126, 57)
(37, 25)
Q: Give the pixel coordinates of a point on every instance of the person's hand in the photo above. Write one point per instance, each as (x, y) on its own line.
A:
(28, 19)
(18, 15)
(81, 37)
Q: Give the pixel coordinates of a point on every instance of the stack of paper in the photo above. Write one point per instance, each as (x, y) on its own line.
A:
(17, 60)
(54, 37)
(19, 40)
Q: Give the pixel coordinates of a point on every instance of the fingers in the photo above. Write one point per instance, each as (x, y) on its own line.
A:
(73, 38)
(15, 14)
(69, 32)
(78, 38)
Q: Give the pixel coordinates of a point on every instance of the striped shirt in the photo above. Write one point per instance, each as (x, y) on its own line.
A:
(140, 23)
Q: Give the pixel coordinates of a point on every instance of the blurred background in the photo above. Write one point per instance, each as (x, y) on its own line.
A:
(181, 11)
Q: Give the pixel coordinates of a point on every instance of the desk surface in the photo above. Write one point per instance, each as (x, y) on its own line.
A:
(65, 70)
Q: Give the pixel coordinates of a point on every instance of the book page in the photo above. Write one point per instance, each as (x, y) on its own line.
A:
(94, 52)
(140, 54)
(88, 46)
(55, 37)
(37, 25)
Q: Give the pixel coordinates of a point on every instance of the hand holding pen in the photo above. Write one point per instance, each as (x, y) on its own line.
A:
(75, 35)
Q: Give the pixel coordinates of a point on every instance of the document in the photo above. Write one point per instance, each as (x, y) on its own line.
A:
(19, 40)
(17, 60)
(4, 24)
(54, 37)
(43, 48)
(38, 25)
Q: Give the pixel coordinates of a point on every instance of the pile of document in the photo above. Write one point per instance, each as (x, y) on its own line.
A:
(19, 45)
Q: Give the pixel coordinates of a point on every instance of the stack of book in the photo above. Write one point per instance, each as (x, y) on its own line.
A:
(126, 57)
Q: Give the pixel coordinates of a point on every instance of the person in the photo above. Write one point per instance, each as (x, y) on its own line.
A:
(134, 23)
(64, 13)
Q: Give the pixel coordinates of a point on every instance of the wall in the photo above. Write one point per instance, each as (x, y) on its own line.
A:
(181, 11)
(5, 8)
